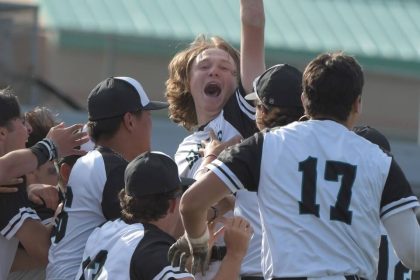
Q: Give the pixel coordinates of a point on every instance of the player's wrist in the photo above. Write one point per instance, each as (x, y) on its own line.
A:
(203, 239)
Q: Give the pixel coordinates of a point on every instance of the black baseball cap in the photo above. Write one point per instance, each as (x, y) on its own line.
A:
(280, 86)
(116, 96)
(153, 173)
(374, 136)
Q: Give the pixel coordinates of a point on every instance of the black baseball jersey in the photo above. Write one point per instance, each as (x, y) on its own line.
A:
(322, 192)
(118, 250)
(91, 199)
(14, 210)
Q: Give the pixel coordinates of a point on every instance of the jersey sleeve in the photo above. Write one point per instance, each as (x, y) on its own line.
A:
(240, 114)
(114, 184)
(239, 166)
(14, 210)
(157, 265)
(397, 194)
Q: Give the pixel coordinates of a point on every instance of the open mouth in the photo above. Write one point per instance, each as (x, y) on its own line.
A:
(212, 89)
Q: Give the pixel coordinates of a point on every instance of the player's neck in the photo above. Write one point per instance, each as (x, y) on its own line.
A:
(347, 123)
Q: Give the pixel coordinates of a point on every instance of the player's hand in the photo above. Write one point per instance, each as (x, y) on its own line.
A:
(199, 248)
(237, 233)
(44, 195)
(10, 185)
(67, 138)
(214, 147)
(179, 253)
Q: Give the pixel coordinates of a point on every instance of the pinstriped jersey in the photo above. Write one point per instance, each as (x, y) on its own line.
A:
(118, 250)
(14, 210)
(236, 118)
(322, 192)
(91, 199)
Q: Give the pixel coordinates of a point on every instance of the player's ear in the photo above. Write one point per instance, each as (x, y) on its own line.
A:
(128, 121)
(173, 205)
(3, 133)
(357, 105)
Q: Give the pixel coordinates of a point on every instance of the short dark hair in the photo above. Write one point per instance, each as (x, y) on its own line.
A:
(278, 116)
(106, 128)
(331, 83)
(9, 107)
(147, 208)
(69, 160)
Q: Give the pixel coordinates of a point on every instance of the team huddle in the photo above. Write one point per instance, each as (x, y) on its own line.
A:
(275, 181)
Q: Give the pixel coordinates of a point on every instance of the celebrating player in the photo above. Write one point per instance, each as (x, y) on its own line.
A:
(323, 191)
(206, 88)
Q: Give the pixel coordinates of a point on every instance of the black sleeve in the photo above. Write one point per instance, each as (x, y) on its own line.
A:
(244, 161)
(237, 112)
(114, 184)
(396, 186)
(14, 208)
(156, 260)
(153, 251)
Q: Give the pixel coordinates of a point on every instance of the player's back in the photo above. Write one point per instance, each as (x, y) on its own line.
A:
(320, 194)
(91, 199)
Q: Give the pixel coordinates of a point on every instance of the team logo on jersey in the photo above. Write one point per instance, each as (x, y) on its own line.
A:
(193, 155)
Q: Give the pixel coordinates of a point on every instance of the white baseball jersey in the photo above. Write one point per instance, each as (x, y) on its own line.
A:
(91, 199)
(246, 205)
(118, 250)
(322, 192)
(236, 118)
(14, 210)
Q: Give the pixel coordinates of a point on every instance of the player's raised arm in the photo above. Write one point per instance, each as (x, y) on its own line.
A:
(252, 41)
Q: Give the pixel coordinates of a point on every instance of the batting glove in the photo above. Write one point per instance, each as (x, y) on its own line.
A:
(200, 251)
(179, 252)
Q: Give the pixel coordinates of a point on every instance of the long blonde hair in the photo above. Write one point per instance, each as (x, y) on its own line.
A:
(181, 104)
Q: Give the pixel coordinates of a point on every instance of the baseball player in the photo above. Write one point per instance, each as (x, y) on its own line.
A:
(19, 222)
(389, 265)
(206, 88)
(206, 92)
(120, 125)
(150, 202)
(323, 191)
(277, 98)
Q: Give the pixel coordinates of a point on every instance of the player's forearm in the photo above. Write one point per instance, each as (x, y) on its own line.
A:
(23, 261)
(16, 164)
(196, 201)
(194, 216)
(252, 13)
(223, 206)
(252, 41)
(404, 233)
(229, 268)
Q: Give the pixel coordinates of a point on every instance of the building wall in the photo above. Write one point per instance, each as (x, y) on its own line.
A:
(77, 72)
(390, 103)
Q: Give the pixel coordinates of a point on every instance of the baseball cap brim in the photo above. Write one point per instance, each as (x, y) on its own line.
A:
(156, 105)
(251, 96)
